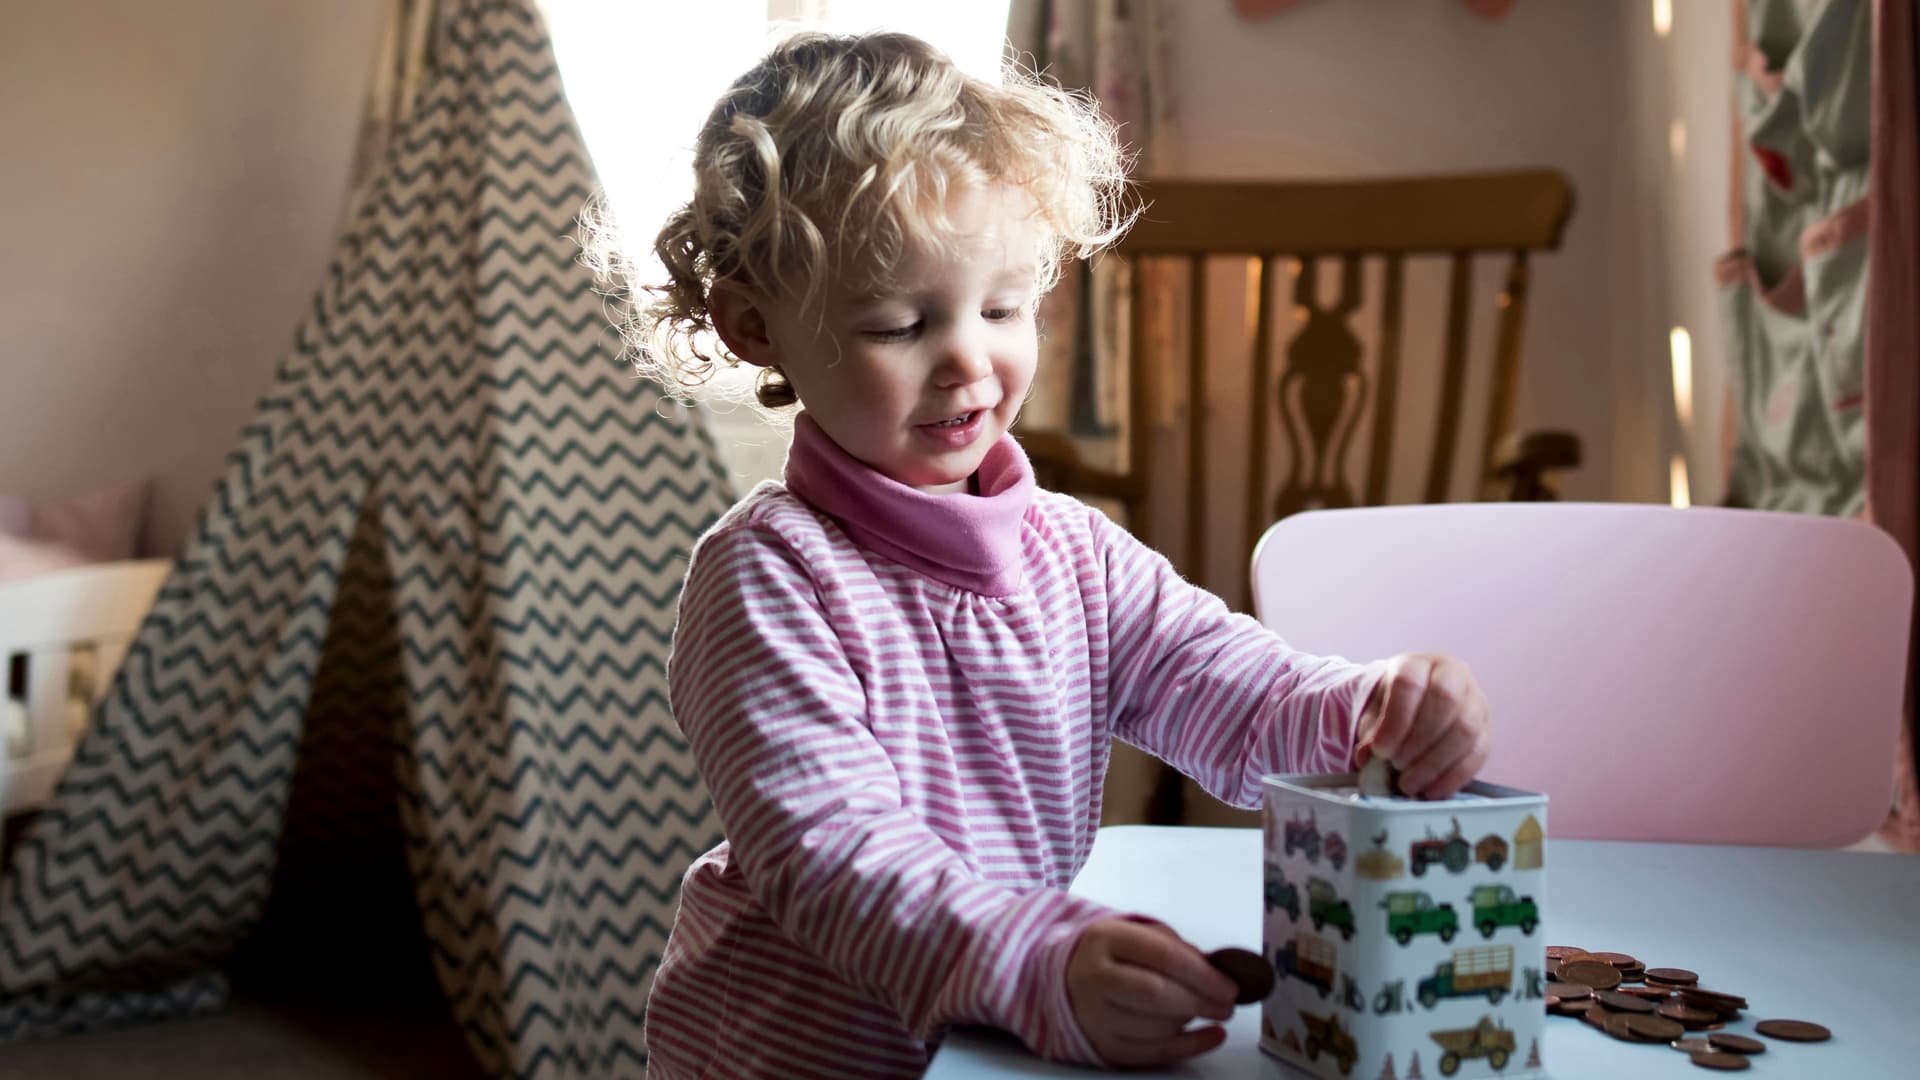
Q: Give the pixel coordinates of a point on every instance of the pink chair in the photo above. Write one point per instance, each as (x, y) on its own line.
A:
(1698, 675)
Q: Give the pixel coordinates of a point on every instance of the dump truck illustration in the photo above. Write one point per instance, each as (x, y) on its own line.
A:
(1485, 1039)
(1325, 1034)
(1281, 895)
(1451, 851)
(1495, 906)
(1484, 969)
(1410, 913)
(1309, 959)
(1303, 835)
(1324, 907)
(1492, 850)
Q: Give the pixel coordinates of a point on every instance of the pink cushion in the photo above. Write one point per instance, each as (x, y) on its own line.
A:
(53, 534)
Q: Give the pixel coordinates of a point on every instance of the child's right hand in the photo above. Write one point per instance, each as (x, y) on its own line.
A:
(1135, 986)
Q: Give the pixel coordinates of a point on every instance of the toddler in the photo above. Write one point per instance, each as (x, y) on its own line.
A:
(901, 669)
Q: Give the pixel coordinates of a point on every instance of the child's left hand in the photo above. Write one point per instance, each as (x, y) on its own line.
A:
(1429, 717)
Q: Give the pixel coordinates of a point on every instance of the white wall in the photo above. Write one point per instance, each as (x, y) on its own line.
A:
(173, 178)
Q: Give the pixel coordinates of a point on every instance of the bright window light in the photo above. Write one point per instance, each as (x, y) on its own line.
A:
(1677, 481)
(1681, 344)
(1663, 17)
(1677, 141)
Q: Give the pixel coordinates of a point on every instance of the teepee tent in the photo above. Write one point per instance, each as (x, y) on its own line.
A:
(427, 607)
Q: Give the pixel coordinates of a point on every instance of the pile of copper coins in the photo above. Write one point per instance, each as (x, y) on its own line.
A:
(1619, 995)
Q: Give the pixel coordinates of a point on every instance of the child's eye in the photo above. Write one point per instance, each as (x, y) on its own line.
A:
(896, 333)
(1000, 314)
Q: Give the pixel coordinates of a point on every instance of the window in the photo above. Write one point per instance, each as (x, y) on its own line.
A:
(643, 75)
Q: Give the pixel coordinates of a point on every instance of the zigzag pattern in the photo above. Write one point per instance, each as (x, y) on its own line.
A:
(415, 647)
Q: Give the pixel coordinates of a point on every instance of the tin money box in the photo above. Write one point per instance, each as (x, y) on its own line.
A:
(1405, 935)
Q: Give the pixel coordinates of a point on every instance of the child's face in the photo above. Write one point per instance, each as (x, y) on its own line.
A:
(922, 379)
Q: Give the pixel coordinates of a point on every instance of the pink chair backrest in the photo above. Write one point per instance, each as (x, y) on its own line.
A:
(1697, 675)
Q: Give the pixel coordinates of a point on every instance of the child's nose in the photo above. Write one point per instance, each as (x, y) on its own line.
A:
(965, 358)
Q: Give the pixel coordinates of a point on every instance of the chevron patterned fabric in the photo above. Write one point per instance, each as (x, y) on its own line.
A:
(437, 581)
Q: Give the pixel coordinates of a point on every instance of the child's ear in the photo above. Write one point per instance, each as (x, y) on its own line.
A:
(740, 318)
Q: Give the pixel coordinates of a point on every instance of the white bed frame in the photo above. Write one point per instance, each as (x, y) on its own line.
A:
(66, 633)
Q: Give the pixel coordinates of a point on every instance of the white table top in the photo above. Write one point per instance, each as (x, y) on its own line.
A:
(1827, 936)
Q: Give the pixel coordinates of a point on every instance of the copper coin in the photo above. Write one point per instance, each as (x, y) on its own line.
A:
(1687, 1014)
(1723, 1004)
(1692, 1045)
(1595, 1018)
(1626, 1003)
(1654, 994)
(1676, 976)
(1567, 991)
(1576, 956)
(1793, 1030)
(1617, 959)
(1253, 975)
(1553, 1003)
(1654, 1028)
(1561, 952)
(1615, 1024)
(1722, 1062)
(1737, 1044)
(1594, 973)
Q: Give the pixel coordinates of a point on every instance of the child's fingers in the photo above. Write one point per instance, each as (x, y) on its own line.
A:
(1401, 689)
(1162, 952)
(1124, 1049)
(1462, 772)
(1457, 743)
(1144, 992)
(1448, 698)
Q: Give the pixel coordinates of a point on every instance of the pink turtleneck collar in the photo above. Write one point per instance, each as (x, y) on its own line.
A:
(968, 541)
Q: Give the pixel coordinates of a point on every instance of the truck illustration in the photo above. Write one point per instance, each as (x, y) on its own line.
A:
(1410, 913)
(1495, 906)
(1485, 1039)
(1281, 895)
(1309, 959)
(1336, 848)
(1325, 1034)
(1303, 835)
(1324, 907)
(1492, 850)
(1484, 969)
(1451, 851)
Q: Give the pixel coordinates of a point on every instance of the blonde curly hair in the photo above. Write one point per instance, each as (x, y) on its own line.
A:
(833, 155)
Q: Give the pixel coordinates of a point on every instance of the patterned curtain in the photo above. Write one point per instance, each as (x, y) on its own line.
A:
(1792, 289)
(403, 698)
(1116, 51)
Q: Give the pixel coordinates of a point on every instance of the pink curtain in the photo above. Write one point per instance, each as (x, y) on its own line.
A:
(1893, 341)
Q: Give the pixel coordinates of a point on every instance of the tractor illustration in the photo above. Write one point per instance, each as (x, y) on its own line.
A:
(1336, 849)
(1326, 1034)
(1410, 913)
(1281, 894)
(1495, 906)
(1483, 970)
(1325, 907)
(1303, 836)
(1451, 851)
(1492, 850)
(1485, 1039)
(1309, 959)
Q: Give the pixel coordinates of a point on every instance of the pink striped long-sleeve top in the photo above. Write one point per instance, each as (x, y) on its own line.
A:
(902, 705)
